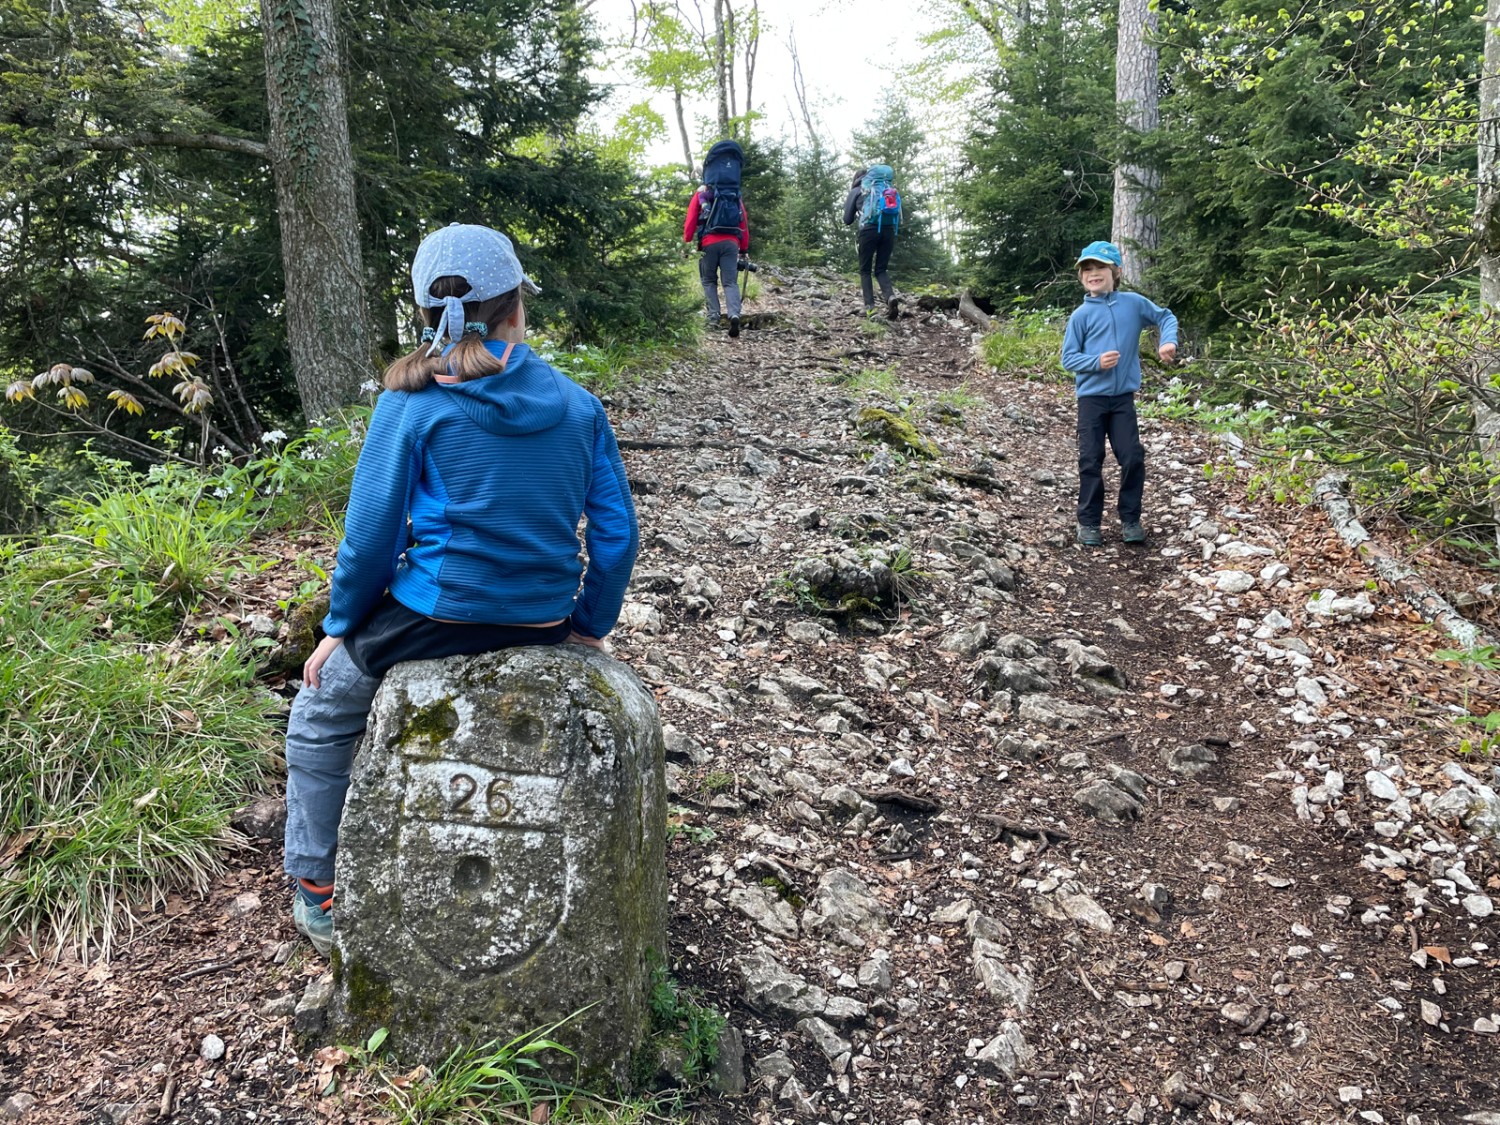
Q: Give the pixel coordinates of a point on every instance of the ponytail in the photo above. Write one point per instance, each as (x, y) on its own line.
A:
(468, 358)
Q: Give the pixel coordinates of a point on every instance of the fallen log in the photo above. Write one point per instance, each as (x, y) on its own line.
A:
(973, 313)
(1412, 588)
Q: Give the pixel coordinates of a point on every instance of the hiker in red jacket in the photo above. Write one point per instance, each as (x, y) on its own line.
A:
(721, 226)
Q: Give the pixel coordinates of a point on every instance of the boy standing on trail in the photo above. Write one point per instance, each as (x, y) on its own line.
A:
(1102, 350)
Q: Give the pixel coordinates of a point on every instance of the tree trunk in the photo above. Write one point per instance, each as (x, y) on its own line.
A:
(1487, 239)
(313, 166)
(751, 47)
(687, 142)
(721, 74)
(1136, 67)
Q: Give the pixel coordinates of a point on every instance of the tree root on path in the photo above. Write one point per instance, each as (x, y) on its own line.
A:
(1429, 604)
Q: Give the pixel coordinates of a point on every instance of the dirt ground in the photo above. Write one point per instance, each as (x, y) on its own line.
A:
(1280, 976)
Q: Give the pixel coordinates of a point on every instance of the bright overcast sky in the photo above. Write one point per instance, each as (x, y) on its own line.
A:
(848, 59)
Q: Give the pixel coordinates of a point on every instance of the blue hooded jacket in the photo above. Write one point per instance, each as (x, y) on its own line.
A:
(1106, 324)
(494, 475)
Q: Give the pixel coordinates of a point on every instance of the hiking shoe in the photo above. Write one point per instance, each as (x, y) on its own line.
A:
(734, 327)
(1090, 536)
(892, 308)
(1132, 532)
(869, 312)
(313, 918)
(712, 323)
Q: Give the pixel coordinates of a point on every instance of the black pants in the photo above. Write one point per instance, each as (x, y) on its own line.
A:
(1112, 417)
(875, 252)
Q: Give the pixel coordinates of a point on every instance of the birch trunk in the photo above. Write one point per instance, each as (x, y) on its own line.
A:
(1136, 69)
(721, 76)
(313, 166)
(1487, 240)
(687, 142)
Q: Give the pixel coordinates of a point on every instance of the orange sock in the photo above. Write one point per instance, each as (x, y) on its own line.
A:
(314, 895)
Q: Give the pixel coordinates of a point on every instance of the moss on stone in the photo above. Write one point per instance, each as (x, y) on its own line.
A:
(435, 722)
(372, 1004)
(896, 432)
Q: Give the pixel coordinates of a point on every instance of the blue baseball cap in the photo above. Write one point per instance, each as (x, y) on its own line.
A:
(483, 257)
(1106, 252)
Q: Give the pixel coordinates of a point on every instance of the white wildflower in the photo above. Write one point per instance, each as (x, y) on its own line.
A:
(272, 437)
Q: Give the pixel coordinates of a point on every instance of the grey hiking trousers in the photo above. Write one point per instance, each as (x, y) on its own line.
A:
(718, 264)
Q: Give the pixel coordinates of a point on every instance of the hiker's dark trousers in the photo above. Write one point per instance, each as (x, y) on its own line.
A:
(718, 264)
(875, 248)
(1112, 417)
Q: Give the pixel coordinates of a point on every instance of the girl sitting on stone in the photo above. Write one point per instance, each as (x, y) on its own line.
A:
(461, 535)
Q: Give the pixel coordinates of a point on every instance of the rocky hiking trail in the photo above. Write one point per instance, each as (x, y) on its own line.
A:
(1019, 831)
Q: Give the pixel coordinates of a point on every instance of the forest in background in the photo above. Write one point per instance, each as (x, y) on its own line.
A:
(1307, 191)
(209, 210)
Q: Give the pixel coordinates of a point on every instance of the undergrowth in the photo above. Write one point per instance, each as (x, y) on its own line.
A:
(122, 767)
(1028, 344)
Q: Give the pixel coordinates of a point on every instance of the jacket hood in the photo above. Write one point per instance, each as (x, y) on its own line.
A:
(526, 398)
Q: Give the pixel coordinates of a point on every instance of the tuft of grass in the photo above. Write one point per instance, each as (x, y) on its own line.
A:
(488, 1085)
(959, 398)
(715, 780)
(676, 1016)
(121, 771)
(876, 381)
(1027, 343)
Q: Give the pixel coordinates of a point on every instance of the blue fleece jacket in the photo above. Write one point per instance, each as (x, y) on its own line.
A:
(1109, 324)
(494, 475)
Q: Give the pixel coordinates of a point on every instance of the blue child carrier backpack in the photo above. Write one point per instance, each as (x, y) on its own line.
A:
(882, 202)
(721, 174)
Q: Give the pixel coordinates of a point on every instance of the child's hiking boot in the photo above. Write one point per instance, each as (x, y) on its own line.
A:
(312, 914)
(1132, 532)
(893, 308)
(1090, 536)
(734, 327)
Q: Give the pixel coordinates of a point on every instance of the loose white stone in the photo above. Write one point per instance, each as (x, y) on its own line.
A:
(1381, 786)
(1480, 906)
(212, 1048)
(1233, 582)
(1349, 1094)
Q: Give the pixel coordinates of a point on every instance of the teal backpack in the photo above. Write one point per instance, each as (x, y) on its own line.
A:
(882, 202)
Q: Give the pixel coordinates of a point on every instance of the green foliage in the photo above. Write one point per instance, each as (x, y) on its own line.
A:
(1384, 388)
(883, 382)
(1324, 150)
(681, 826)
(1026, 343)
(120, 772)
(22, 484)
(1481, 658)
(1036, 182)
(678, 1018)
(494, 1083)
(796, 203)
(144, 549)
(716, 780)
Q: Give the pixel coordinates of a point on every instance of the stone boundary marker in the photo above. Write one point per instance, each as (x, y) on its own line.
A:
(502, 859)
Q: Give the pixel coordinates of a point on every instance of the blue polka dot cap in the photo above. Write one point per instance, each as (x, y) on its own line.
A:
(481, 256)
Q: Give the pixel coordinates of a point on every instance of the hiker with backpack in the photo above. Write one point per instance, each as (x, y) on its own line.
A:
(875, 202)
(716, 218)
